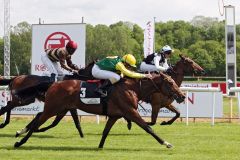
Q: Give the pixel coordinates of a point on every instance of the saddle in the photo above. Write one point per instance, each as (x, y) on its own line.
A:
(88, 94)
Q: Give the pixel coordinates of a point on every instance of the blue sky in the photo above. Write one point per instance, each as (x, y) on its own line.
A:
(111, 11)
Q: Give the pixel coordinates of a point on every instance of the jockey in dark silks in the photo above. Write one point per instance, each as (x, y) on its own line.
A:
(56, 56)
(157, 61)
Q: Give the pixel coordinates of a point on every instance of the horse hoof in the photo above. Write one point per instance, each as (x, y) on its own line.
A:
(129, 126)
(2, 125)
(169, 145)
(17, 134)
(17, 144)
(164, 123)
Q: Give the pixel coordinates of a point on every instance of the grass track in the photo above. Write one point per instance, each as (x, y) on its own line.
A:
(197, 141)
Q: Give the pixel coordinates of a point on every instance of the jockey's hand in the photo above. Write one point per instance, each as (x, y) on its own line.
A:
(169, 71)
(75, 71)
(148, 76)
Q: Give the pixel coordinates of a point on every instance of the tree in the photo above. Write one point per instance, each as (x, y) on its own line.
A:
(21, 48)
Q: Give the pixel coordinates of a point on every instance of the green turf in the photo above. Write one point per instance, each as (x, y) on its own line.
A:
(197, 141)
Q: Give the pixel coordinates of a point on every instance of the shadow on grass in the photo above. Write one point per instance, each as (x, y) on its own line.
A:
(69, 148)
(116, 134)
(36, 136)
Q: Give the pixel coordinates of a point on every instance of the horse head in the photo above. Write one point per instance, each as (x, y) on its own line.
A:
(189, 66)
(168, 87)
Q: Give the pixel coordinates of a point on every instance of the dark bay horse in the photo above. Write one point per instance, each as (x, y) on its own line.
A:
(122, 102)
(25, 81)
(158, 100)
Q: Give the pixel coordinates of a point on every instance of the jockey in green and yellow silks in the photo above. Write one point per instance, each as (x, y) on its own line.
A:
(107, 68)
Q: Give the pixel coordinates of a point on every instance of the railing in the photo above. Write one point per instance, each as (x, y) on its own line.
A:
(235, 89)
(195, 89)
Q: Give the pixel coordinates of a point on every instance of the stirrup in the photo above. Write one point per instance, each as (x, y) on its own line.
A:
(102, 93)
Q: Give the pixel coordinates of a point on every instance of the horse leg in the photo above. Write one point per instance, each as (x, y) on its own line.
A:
(7, 109)
(58, 118)
(76, 121)
(37, 122)
(155, 110)
(6, 120)
(135, 117)
(25, 129)
(129, 123)
(10, 105)
(173, 109)
(33, 125)
(108, 126)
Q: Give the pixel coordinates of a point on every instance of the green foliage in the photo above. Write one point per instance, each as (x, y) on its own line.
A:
(203, 39)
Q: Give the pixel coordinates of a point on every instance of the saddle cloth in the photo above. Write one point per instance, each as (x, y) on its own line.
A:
(88, 94)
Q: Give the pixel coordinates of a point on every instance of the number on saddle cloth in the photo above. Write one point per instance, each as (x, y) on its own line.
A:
(87, 92)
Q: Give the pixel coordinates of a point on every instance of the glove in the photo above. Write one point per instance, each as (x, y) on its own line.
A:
(75, 71)
(169, 71)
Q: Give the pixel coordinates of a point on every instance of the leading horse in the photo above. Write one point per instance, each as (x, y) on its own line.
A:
(184, 66)
(122, 102)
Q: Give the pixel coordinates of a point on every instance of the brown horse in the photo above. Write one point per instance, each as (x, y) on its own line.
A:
(122, 102)
(158, 100)
(25, 81)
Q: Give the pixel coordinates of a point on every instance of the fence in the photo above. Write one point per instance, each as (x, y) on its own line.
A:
(235, 89)
(187, 90)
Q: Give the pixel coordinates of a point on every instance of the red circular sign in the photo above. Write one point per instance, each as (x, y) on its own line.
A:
(56, 40)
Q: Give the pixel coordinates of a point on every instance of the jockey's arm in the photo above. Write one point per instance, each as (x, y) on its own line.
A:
(156, 63)
(62, 59)
(165, 65)
(70, 64)
(120, 66)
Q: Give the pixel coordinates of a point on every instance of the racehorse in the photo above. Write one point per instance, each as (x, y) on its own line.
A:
(25, 81)
(158, 100)
(122, 102)
(184, 66)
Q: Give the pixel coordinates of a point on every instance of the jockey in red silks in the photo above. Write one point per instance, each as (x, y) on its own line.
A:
(56, 56)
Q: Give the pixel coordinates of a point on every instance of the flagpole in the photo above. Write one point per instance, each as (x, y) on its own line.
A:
(154, 20)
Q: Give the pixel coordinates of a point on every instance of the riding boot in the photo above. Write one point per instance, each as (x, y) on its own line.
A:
(102, 90)
(52, 78)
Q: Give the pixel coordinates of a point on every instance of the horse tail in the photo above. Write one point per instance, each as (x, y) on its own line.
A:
(5, 82)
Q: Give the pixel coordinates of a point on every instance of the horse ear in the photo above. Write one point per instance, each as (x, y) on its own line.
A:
(181, 56)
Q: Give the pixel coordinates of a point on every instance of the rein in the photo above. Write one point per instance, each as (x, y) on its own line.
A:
(141, 91)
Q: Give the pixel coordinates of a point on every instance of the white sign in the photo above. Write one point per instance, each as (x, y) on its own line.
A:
(148, 43)
(46, 36)
(200, 104)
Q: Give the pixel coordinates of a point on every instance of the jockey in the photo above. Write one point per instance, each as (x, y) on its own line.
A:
(53, 56)
(157, 61)
(107, 68)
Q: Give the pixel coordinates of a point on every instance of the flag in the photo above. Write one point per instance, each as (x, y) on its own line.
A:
(148, 43)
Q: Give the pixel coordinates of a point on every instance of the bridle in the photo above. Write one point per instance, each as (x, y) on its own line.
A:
(156, 89)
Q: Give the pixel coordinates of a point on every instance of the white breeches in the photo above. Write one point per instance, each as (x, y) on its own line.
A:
(148, 67)
(103, 74)
(53, 67)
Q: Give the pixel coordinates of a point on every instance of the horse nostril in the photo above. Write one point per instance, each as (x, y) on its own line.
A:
(183, 97)
(203, 72)
(175, 97)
